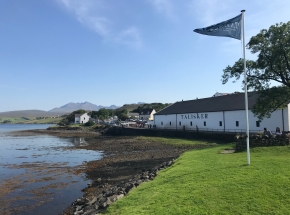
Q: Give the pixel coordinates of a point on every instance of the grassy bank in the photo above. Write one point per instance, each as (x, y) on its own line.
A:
(208, 182)
(29, 120)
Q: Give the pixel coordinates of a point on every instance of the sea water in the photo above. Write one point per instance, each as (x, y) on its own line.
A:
(38, 172)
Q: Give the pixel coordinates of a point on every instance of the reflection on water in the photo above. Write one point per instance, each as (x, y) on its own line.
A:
(79, 141)
(38, 173)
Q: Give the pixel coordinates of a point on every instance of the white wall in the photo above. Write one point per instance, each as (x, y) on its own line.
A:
(228, 119)
(165, 120)
(84, 118)
(152, 115)
(77, 120)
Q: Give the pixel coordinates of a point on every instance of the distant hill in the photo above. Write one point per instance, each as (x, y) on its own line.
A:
(129, 107)
(70, 107)
(29, 113)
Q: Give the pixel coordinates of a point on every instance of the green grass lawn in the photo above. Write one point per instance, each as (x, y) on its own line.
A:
(177, 141)
(13, 119)
(207, 182)
(30, 120)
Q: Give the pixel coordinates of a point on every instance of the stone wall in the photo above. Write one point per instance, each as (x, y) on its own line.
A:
(260, 140)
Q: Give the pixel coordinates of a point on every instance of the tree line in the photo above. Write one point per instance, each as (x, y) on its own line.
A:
(104, 113)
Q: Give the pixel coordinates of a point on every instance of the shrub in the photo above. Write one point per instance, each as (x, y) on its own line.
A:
(89, 123)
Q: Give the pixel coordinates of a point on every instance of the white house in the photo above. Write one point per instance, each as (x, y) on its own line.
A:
(220, 113)
(147, 114)
(82, 118)
(133, 115)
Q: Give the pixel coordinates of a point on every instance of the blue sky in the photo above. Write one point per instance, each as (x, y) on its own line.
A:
(53, 52)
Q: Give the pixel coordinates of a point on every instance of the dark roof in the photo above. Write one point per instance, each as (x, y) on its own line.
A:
(213, 104)
(79, 114)
(146, 111)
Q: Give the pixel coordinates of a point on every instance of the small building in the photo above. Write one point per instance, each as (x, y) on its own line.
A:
(134, 115)
(147, 114)
(82, 118)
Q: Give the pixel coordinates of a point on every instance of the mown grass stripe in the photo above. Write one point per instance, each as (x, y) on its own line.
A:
(207, 182)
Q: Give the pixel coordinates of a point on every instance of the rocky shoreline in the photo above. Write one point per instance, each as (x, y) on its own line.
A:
(127, 162)
(111, 194)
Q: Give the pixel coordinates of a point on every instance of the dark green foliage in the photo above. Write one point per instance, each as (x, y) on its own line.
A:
(102, 113)
(270, 100)
(63, 122)
(89, 123)
(273, 64)
(105, 113)
(122, 114)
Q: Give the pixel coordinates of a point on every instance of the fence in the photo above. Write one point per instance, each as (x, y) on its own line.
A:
(206, 130)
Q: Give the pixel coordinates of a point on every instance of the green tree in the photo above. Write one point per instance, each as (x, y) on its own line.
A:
(122, 114)
(89, 123)
(272, 48)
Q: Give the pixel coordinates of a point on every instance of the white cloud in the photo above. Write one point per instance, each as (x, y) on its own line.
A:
(164, 7)
(130, 36)
(95, 14)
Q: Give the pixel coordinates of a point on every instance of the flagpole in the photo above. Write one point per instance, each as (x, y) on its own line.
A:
(246, 91)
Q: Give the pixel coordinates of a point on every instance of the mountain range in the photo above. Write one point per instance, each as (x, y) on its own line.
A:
(65, 109)
(70, 107)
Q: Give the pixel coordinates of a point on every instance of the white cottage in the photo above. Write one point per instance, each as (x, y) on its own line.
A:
(220, 113)
(82, 118)
(147, 114)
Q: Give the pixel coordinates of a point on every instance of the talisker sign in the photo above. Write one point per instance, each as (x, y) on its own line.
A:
(194, 116)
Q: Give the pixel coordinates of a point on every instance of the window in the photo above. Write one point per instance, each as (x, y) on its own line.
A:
(204, 123)
(190, 123)
(257, 123)
(170, 123)
(179, 123)
(161, 123)
(221, 123)
(237, 123)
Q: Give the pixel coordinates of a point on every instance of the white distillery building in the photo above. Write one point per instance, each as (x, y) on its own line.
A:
(221, 113)
(82, 118)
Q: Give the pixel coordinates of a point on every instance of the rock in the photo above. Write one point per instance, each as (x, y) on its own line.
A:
(103, 205)
(108, 202)
(129, 187)
(79, 212)
(90, 212)
(93, 201)
(79, 208)
(113, 198)
(102, 200)
(120, 196)
(138, 182)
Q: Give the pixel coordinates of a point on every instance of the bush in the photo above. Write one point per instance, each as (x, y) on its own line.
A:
(89, 123)
(63, 122)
